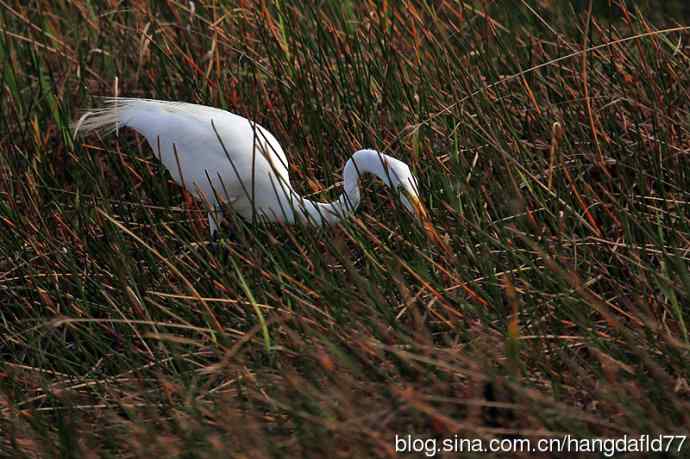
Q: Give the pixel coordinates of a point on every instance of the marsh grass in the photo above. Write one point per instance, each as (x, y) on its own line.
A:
(551, 145)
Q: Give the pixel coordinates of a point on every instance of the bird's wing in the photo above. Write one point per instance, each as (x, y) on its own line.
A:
(157, 118)
(187, 139)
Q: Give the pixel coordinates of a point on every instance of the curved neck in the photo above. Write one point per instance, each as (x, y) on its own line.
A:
(320, 213)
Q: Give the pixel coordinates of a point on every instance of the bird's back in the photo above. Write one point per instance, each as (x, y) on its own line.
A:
(216, 154)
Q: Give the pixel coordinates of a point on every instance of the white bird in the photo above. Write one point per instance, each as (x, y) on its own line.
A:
(226, 159)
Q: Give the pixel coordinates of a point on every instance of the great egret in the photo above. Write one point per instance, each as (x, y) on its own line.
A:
(225, 159)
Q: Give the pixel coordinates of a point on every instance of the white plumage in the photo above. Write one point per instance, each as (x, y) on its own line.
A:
(225, 159)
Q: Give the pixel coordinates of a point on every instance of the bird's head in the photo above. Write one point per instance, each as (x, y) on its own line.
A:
(400, 178)
(394, 173)
(409, 197)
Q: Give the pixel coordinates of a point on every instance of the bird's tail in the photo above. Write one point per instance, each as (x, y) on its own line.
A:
(104, 120)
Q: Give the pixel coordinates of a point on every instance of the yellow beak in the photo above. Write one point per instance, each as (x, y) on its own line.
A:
(429, 229)
(419, 208)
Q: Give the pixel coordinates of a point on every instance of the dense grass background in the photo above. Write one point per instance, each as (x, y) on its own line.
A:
(551, 141)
